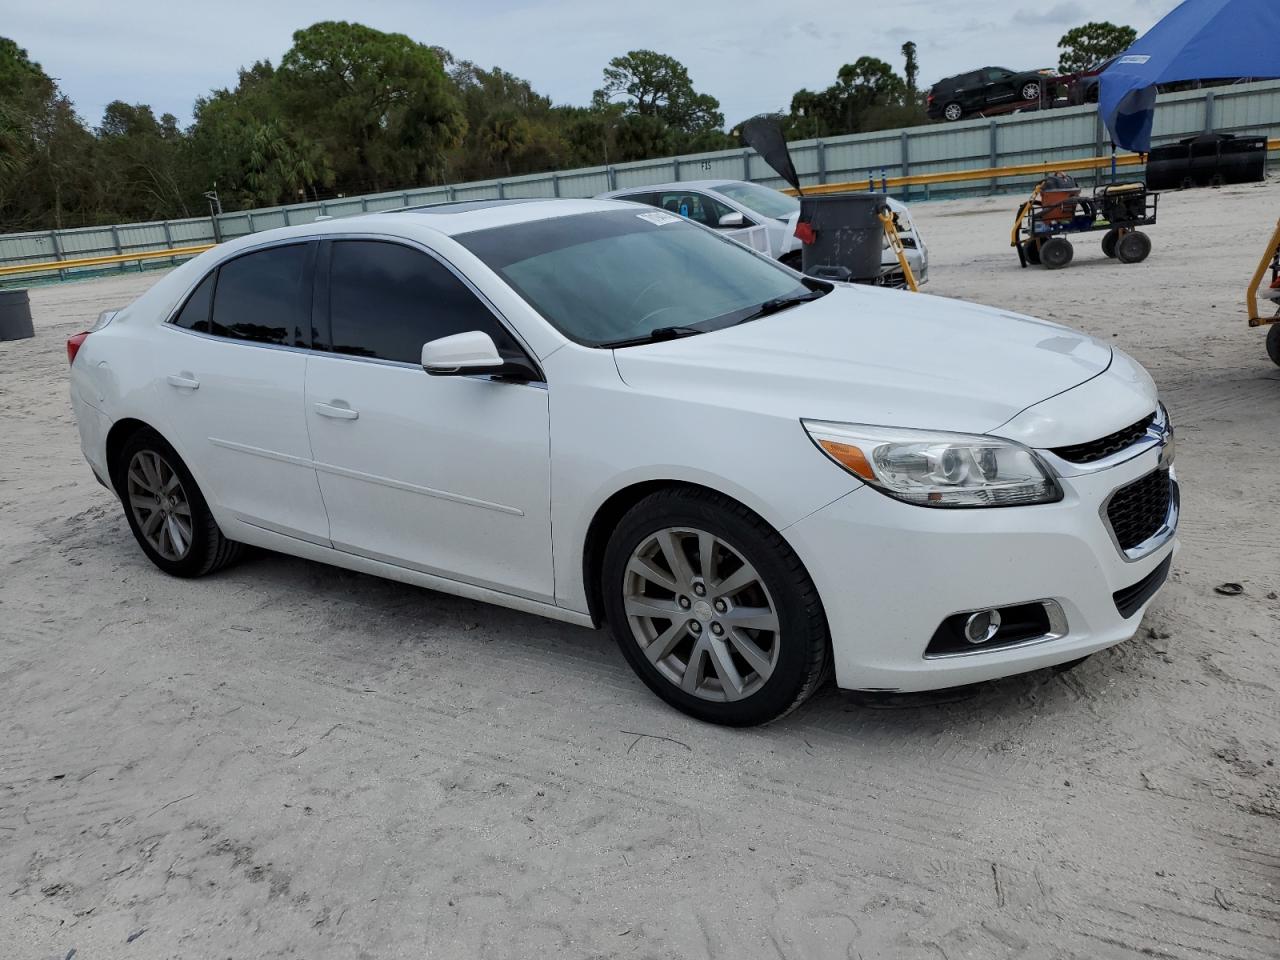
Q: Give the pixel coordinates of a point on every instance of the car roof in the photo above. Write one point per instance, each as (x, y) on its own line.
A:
(673, 186)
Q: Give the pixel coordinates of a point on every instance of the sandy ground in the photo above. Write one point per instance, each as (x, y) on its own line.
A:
(288, 760)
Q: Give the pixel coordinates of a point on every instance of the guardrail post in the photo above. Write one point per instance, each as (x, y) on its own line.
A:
(822, 162)
(995, 152)
(675, 168)
(746, 165)
(168, 241)
(364, 204)
(57, 252)
(1208, 111)
(555, 184)
(612, 176)
(905, 163)
(287, 221)
(249, 218)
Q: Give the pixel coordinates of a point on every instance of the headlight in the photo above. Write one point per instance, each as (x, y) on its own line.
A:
(937, 469)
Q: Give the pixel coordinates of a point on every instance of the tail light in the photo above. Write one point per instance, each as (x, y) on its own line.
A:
(74, 344)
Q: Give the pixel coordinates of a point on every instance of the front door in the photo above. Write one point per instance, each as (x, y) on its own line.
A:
(445, 475)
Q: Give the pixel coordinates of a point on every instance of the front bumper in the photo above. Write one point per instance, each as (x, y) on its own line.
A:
(889, 573)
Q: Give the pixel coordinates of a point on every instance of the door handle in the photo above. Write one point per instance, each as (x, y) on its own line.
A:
(337, 412)
(183, 382)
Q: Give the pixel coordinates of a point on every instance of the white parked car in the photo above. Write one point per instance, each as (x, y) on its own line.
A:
(600, 413)
(746, 211)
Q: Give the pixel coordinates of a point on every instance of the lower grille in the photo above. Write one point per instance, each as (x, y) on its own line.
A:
(1138, 511)
(1130, 600)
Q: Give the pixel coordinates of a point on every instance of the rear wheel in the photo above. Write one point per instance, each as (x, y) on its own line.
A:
(166, 511)
(1032, 250)
(953, 111)
(1133, 247)
(1109, 241)
(1273, 343)
(712, 608)
(1056, 253)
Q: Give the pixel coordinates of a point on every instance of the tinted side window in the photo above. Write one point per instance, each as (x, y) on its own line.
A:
(194, 314)
(264, 296)
(387, 300)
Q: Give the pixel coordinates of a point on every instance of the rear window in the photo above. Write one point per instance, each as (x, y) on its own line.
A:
(265, 296)
(610, 276)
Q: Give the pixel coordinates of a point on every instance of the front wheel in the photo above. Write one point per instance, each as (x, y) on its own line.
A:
(1056, 253)
(1133, 247)
(712, 608)
(953, 111)
(1031, 91)
(166, 510)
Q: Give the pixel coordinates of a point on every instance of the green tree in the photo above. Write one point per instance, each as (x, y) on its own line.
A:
(650, 84)
(379, 103)
(1086, 46)
(911, 68)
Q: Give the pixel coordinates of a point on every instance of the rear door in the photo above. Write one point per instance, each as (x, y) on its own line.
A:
(232, 369)
(446, 475)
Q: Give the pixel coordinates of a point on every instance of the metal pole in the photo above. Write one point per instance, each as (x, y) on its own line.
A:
(613, 177)
(746, 165)
(168, 241)
(995, 153)
(57, 252)
(675, 168)
(502, 191)
(905, 161)
(822, 162)
(555, 184)
(1208, 111)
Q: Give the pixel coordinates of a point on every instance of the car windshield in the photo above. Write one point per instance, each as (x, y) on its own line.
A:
(619, 276)
(764, 201)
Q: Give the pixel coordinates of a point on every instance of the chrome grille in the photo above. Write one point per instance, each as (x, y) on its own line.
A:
(1104, 447)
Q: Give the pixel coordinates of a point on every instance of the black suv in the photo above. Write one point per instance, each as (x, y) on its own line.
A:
(981, 90)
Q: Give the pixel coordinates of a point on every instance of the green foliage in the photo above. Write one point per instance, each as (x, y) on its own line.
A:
(350, 109)
(867, 95)
(1087, 46)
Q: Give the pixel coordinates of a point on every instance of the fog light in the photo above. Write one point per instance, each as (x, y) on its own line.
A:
(982, 626)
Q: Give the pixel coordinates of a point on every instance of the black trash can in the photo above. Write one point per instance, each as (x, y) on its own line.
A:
(15, 315)
(842, 234)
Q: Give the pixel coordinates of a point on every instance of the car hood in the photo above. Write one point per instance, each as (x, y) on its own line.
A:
(865, 355)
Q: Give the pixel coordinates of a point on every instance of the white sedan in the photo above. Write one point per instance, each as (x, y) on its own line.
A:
(605, 414)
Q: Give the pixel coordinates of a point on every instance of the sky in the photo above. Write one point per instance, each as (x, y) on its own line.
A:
(750, 54)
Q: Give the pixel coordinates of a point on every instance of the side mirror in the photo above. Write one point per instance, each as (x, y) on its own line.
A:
(472, 353)
(461, 354)
(734, 219)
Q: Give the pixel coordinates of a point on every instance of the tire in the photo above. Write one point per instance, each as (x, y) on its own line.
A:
(1133, 247)
(1031, 91)
(1273, 343)
(1056, 253)
(186, 541)
(705, 666)
(1032, 250)
(1109, 241)
(952, 112)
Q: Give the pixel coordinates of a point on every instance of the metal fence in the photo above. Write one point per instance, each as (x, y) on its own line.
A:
(1045, 136)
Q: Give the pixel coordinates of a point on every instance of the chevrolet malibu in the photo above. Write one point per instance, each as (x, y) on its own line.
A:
(610, 415)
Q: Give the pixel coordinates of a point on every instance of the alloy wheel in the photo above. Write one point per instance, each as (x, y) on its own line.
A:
(1031, 91)
(701, 614)
(159, 504)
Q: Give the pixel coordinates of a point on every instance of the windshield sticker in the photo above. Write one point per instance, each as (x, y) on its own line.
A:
(658, 217)
(1135, 58)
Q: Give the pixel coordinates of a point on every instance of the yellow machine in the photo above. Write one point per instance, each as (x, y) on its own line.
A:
(1270, 262)
(895, 242)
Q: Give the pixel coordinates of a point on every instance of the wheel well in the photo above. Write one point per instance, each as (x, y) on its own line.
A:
(604, 522)
(117, 437)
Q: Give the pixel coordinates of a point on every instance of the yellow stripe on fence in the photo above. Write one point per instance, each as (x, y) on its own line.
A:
(984, 173)
(49, 265)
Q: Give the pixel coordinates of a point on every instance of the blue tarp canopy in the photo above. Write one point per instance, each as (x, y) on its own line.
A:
(1198, 40)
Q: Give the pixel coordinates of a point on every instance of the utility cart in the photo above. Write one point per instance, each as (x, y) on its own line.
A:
(1056, 209)
(1266, 285)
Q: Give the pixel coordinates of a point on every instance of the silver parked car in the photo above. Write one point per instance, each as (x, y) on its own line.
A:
(764, 218)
